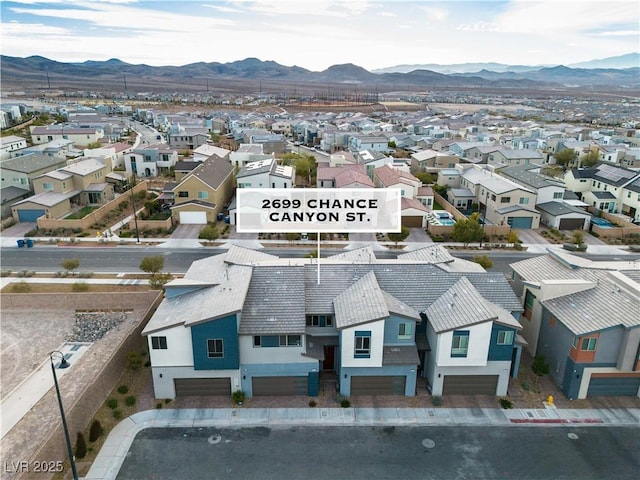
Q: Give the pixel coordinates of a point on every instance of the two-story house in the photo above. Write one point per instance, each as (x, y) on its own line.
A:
(550, 192)
(11, 144)
(249, 321)
(345, 176)
(582, 317)
(151, 160)
(203, 192)
(79, 136)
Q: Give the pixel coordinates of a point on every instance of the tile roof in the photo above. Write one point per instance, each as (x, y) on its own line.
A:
(460, 306)
(430, 254)
(560, 208)
(245, 256)
(274, 302)
(361, 302)
(349, 177)
(400, 355)
(213, 171)
(406, 203)
(32, 163)
(357, 255)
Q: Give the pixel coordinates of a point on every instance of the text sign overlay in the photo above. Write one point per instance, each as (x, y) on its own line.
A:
(299, 210)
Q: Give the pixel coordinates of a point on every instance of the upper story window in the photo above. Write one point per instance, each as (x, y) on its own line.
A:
(405, 331)
(203, 195)
(47, 186)
(183, 193)
(290, 340)
(362, 344)
(505, 200)
(558, 195)
(505, 337)
(319, 320)
(215, 348)
(588, 344)
(158, 343)
(524, 201)
(460, 343)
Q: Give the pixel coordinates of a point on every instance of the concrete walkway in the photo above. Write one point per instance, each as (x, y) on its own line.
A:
(113, 452)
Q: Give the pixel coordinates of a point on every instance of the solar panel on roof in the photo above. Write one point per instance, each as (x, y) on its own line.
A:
(612, 173)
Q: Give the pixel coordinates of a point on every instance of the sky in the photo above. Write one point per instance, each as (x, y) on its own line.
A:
(315, 34)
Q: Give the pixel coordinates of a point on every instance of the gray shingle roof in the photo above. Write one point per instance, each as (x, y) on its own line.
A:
(245, 256)
(32, 163)
(560, 208)
(460, 306)
(274, 302)
(400, 308)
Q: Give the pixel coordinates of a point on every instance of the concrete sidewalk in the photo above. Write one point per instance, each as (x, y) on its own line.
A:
(113, 452)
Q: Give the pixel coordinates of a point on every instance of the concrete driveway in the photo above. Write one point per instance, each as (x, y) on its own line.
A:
(187, 231)
(418, 235)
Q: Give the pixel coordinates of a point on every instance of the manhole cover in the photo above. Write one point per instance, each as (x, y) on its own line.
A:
(215, 439)
(572, 436)
(428, 443)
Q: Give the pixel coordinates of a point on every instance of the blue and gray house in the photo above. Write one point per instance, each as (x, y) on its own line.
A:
(249, 321)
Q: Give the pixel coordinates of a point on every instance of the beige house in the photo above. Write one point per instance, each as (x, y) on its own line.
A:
(204, 192)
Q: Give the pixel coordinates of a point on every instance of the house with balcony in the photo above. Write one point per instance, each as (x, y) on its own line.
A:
(151, 160)
(582, 317)
(250, 321)
(203, 192)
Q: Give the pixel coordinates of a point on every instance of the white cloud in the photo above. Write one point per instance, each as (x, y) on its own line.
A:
(619, 33)
(32, 29)
(386, 14)
(310, 8)
(478, 27)
(223, 8)
(436, 14)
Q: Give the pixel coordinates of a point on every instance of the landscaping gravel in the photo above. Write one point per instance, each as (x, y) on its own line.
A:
(90, 327)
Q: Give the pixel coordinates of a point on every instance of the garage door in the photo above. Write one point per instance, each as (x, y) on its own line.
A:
(386, 385)
(520, 222)
(190, 218)
(610, 386)
(279, 386)
(571, 224)
(29, 215)
(187, 387)
(411, 221)
(470, 385)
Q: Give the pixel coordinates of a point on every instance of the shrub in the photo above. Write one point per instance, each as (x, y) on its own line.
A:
(209, 233)
(130, 401)
(123, 389)
(345, 403)
(81, 446)
(238, 396)
(95, 431)
(134, 361)
(437, 401)
(5, 273)
(539, 366)
(159, 405)
(526, 386)
(167, 401)
(312, 403)
(117, 414)
(112, 403)
(20, 287)
(506, 403)
(483, 260)
(80, 287)
(85, 274)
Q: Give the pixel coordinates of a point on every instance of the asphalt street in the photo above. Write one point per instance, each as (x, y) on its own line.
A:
(425, 453)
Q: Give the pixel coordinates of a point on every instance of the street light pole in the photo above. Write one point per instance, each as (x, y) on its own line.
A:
(63, 364)
(133, 201)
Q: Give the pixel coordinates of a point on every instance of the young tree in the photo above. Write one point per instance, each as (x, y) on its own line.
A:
(483, 260)
(399, 236)
(70, 264)
(153, 264)
(589, 159)
(578, 237)
(468, 230)
(565, 158)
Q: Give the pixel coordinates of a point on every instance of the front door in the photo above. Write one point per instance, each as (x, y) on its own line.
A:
(329, 354)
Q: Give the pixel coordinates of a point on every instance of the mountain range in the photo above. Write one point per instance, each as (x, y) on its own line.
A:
(39, 72)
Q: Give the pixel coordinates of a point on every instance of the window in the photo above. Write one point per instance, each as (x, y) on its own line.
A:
(203, 195)
(183, 194)
(158, 343)
(362, 344)
(405, 331)
(505, 200)
(319, 320)
(505, 337)
(460, 343)
(47, 186)
(588, 344)
(493, 198)
(290, 340)
(215, 348)
(558, 195)
(524, 201)
(576, 341)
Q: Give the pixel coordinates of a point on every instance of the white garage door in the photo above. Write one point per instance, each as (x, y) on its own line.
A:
(190, 218)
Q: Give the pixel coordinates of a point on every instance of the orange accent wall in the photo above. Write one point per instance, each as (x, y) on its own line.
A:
(583, 356)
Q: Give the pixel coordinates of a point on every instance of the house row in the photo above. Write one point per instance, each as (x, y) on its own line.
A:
(246, 320)
(582, 317)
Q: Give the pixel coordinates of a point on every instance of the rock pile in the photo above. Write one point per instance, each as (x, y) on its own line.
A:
(92, 326)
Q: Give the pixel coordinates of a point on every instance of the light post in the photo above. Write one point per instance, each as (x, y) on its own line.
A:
(63, 364)
(133, 201)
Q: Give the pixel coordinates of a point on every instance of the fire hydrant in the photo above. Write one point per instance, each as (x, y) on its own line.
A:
(550, 400)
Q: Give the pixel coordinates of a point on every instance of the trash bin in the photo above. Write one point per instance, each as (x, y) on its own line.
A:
(20, 243)
(227, 219)
(29, 242)
(220, 216)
